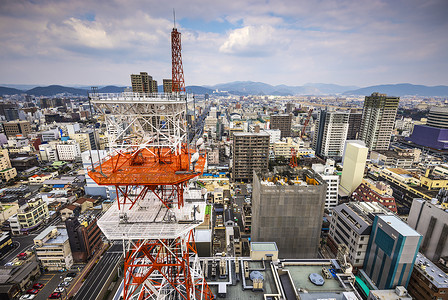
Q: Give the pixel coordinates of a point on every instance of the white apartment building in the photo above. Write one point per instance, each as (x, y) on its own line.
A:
(327, 172)
(69, 150)
(53, 249)
(331, 133)
(48, 152)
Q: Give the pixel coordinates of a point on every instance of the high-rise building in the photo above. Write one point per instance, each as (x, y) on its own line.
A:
(282, 122)
(328, 174)
(431, 220)
(167, 85)
(351, 225)
(250, 152)
(354, 125)
(331, 133)
(391, 252)
(355, 158)
(14, 128)
(143, 83)
(288, 209)
(438, 117)
(378, 118)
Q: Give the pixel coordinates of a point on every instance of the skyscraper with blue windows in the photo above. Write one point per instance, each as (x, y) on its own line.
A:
(391, 252)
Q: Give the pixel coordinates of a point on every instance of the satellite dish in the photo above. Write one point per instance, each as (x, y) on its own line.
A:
(195, 157)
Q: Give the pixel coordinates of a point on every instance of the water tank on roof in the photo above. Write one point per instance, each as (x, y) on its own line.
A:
(316, 279)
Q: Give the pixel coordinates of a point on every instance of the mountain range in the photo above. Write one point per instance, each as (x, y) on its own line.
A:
(245, 88)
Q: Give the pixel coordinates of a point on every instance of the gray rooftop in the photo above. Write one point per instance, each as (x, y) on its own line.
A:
(431, 271)
(400, 226)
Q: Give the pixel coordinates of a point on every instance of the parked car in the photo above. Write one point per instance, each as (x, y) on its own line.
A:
(38, 286)
(64, 283)
(32, 291)
(71, 274)
(55, 296)
(22, 255)
(27, 297)
(59, 290)
(68, 279)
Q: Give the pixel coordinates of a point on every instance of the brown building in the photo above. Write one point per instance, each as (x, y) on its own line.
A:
(427, 281)
(375, 191)
(354, 125)
(250, 152)
(84, 236)
(167, 85)
(282, 122)
(143, 83)
(14, 128)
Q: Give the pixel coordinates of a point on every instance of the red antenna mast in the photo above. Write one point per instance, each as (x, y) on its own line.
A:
(177, 71)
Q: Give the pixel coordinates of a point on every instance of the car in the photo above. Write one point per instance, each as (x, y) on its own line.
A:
(71, 274)
(38, 286)
(59, 289)
(22, 255)
(55, 295)
(68, 279)
(32, 291)
(27, 297)
(64, 283)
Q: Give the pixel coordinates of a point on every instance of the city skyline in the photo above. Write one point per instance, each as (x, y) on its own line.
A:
(281, 42)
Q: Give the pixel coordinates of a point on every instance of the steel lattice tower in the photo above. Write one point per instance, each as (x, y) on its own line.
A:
(150, 165)
(177, 71)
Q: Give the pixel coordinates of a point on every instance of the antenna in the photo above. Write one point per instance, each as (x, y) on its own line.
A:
(174, 17)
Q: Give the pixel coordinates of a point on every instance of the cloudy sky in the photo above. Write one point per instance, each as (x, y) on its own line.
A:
(293, 42)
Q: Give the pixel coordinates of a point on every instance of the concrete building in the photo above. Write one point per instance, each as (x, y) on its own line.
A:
(167, 85)
(430, 219)
(143, 83)
(91, 188)
(14, 128)
(428, 282)
(375, 191)
(274, 134)
(282, 122)
(32, 214)
(7, 172)
(84, 236)
(330, 133)
(391, 252)
(351, 225)
(87, 140)
(283, 148)
(438, 117)
(354, 164)
(53, 249)
(378, 118)
(354, 125)
(250, 152)
(69, 150)
(328, 174)
(392, 158)
(48, 152)
(288, 209)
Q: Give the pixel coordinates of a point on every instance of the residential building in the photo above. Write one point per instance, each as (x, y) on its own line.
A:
(375, 191)
(250, 152)
(53, 249)
(32, 214)
(274, 135)
(282, 122)
(283, 148)
(287, 208)
(167, 85)
(351, 225)
(50, 135)
(84, 236)
(69, 150)
(355, 158)
(143, 83)
(328, 174)
(354, 125)
(23, 163)
(400, 293)
(378, 118)
(430, 219)
(14, 128)
(428, 282)
(7, 172)
(391, 252)
(48, 152)
(330, 133)
(87, 140)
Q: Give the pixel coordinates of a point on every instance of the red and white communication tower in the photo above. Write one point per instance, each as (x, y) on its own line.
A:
(150, 166)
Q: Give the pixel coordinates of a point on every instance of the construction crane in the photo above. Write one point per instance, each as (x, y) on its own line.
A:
(150, 165)
(307, 120)
(293, 161)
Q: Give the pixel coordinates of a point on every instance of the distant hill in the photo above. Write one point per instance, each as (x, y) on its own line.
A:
(195, 89)
(402, 89)
(111, 89)
(56, 89)
(9, 91)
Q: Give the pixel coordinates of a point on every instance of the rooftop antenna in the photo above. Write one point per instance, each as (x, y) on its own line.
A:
(174, 18)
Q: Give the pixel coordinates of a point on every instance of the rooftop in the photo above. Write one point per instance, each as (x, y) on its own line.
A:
(400, 226)
(433, 273)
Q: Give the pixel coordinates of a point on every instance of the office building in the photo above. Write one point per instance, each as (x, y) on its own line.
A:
(7, 172)
(91, 188)
(375, 191)
(14, 128)
(84, 236)
(143, 83)
(287, 208)
(87, 140)
(31, 215)
(250, 152)
(282, 122)
(435, 133)
(354, 125)
(378, 118)
(428, 282)
(430, 219)
(391, 252)
(69, 150)
(329, 175)
(330, 133)
(355, 158)
(53, 249)
(351, 225)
